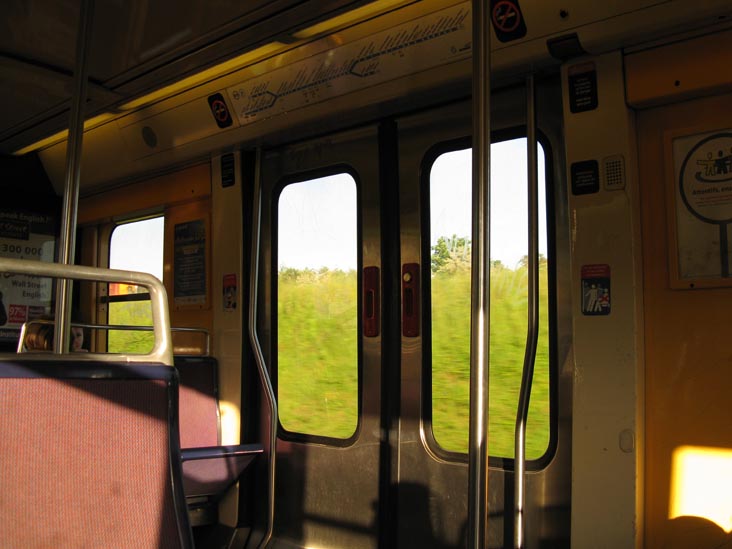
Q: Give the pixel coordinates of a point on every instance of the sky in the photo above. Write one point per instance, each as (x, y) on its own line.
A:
(317, 219)
(450, 199)
(138, 246)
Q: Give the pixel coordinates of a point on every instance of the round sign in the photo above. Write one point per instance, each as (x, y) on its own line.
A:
(506, 16)
(705, 180)
(220, 111)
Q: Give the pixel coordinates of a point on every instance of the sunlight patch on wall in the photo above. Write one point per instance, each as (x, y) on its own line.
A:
(701, 484)
(230, 424)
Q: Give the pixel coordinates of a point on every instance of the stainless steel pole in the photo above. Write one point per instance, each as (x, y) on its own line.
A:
(258, 355)
(480, 283)
(67, 241)
(532, 335)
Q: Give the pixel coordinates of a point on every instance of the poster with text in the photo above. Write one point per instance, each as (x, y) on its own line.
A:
(24, 235)
(703, 203)
(189, 272)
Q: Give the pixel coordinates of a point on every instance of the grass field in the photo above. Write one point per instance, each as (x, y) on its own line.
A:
(130, 313)
(317, 355)
(317, 346)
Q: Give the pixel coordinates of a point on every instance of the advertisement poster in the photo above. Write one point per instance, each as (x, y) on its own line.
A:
(24, 235)
(189, 272)
(703, 203)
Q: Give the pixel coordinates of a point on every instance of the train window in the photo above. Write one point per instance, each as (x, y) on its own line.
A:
(134, 246)
(317, 307)
(450, 232)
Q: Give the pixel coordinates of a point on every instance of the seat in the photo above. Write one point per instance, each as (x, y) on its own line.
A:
(209, 469)
(89, 456)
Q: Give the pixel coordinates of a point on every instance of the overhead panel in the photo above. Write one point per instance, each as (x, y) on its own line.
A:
(421, 44)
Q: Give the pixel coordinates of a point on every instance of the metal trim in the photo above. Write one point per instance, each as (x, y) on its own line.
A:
(162, 350)
(257, 348)
(480, 282)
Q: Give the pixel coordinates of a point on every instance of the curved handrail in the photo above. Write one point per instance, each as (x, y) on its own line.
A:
(532, 335)
(259, 355)
(162, 351)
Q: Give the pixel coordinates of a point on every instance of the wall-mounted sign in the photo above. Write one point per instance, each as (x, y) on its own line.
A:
(220, 111)
(585, 177)
(189, 272)
(596, 290)
(24, 235)
(582, 83)
(703, 207)
(507, 19)
(230, 292)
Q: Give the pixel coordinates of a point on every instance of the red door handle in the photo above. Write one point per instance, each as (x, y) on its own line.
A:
(371, 301)
(410, 300)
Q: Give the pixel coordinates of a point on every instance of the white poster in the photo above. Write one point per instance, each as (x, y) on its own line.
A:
(703, 167)
(24, 235)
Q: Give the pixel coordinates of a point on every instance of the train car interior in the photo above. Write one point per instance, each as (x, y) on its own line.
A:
(366, 273)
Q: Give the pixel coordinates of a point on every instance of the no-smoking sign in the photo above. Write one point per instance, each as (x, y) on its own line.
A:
(219, 110)
(507, 19)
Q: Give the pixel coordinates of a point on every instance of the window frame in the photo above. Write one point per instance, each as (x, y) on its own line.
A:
(428, 160)
(303, 177)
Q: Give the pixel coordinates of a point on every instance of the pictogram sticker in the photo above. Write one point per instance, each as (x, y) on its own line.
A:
(220, 111)
(230, 292)
(508, 22)
(596, 290)
(506, 16)
(705, 189)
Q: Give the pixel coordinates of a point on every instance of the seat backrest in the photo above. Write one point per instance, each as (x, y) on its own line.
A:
(199, 406)
(89, 456)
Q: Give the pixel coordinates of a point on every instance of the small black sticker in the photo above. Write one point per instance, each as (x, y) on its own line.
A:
(228, 175)
(582, 88)
(507, 19)
(585, 177)
(219, 110)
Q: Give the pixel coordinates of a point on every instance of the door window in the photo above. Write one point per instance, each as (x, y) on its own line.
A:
(317, 307)
(450, 249)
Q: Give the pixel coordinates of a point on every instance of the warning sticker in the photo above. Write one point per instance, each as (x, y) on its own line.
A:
(585, 177)
(220, 111)
(230, 293)
(508, 22)
(595, 290)
(582, 87)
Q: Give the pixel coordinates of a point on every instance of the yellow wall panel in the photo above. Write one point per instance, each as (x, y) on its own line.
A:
(688, 357)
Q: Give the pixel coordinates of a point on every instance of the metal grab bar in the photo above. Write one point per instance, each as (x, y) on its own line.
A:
(113, 327)
(67, 240)
(480, 282)
(532, 335)
(162, 350)
(257, 347)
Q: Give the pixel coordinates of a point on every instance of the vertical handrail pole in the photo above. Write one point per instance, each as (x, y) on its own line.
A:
(480, 282)
(67, 240)
(257, 348)
(532, 334)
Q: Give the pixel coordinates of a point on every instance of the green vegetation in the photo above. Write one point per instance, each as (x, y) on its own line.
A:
(130, 313)
(317, 352)
(451, 361)
(317, 373)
